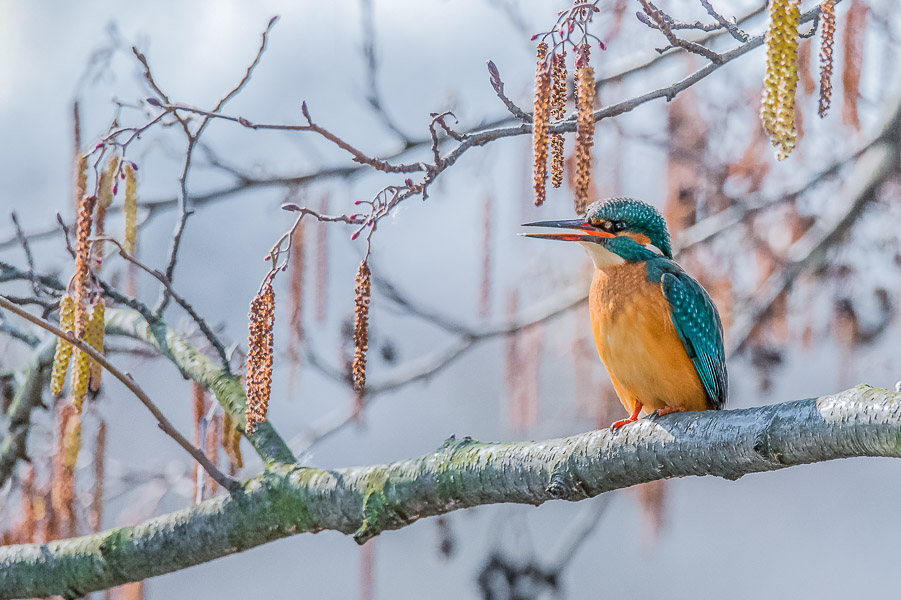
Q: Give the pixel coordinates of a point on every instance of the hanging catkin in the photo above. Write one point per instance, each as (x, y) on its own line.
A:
(540, 121)
(584, 129)
(777, 105)
(558, 112)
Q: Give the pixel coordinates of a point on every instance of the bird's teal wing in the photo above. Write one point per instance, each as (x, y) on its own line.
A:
(698, 324)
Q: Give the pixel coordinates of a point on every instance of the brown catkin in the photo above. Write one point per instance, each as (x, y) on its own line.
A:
(362, 293)
(62, 491)
(540, 121)
(94, 337)
(296, 266)
(130, 208)
(199, 403)
(322, 263)
(777, 106)
(259, 356)
(81, 361)
(584, 130)
(28, 527)
(485, 291)
(852, 46)
(827, 40)
(558, 111)
(82, 261)
(63, 348)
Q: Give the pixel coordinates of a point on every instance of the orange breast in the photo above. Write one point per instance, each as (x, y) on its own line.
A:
(637, 341)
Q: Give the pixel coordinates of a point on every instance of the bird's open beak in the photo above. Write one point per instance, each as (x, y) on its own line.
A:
(589, 233)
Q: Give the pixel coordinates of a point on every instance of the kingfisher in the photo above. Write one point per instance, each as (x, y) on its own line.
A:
(655, 328)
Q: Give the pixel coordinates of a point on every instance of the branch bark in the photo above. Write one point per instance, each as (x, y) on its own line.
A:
(365, 501)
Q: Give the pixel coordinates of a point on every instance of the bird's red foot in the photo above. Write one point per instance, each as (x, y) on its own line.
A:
(617, 424)
(636, 410)
(668, 409)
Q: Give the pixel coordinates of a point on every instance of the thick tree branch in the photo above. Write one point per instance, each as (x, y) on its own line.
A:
(28, 396)
(365, 501)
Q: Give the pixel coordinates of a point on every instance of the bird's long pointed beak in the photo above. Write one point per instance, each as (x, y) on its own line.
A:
(588, 232)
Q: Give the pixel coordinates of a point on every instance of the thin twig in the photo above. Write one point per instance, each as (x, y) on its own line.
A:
(729, 25)
(29, 257)
(201, 323)
(665, 24)
(494, 76)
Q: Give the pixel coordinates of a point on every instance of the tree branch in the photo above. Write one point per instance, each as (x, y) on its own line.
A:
(28, 396)
(366, 501)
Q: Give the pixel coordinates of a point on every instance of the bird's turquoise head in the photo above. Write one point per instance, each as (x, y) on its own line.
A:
(625, 227)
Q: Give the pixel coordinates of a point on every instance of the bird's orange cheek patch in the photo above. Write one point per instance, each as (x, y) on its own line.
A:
(639, 238)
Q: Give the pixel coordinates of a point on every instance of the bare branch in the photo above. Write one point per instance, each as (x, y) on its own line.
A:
(27, 397)
(662, 21)
(201, 323)
(729, 24)
(494, 76)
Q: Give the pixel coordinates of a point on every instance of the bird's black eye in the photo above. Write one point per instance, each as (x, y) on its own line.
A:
(619, 225)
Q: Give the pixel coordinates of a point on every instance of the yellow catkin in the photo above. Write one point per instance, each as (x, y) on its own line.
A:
(130, 208)
(777, 107)
(104, 199)
(540, 122)
(584, 130)
(94, 337)
(558, 111)
(259, 356)
(63, 348)
(231, 443)
(81, 375)
(827, 40)
(362, 294)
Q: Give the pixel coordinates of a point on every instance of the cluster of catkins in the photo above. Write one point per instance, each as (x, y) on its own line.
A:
(550, 102)
(82, 311)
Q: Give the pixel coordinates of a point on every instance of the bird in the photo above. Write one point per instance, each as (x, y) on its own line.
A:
(656, 329)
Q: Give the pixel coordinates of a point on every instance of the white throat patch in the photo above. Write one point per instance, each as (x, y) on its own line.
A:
(601, 256)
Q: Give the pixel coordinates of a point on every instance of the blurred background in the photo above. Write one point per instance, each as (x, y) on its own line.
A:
(475, 331)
